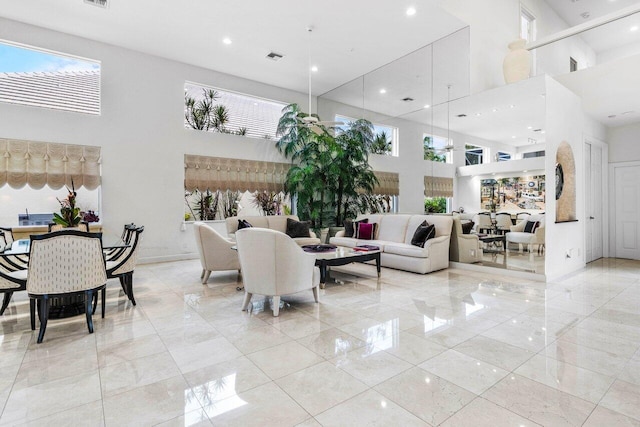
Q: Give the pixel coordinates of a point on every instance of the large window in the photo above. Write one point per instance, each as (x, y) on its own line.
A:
(437, 148)
(38, 78)
(502, 156)
(533, 154)
(473, 155)
(385, 137)
(215, 110)
(528, 32)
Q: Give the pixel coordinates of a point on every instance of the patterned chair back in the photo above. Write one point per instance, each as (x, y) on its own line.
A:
(83, 226)
(127, 261)
(65, 261)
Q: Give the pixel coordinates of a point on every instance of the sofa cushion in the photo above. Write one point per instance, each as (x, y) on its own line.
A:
(297, 228)
(530, 226)
(365, 231)
(443, 225)
(307, 241)
(424, 232)
(348, 242)
(393, 228)
(349, 226)
(279, 222)
(243, 223)
(467, 227)
(406, 250)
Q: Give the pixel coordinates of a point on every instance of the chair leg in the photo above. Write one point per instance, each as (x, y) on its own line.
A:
(44, 316)
(276, 306)
(104, 299)
(130, 286)
(316, 293)
(246, 301)
(5, 302)
(32, 312)
(88, 296)
(206, 277)
(95, 303)
(202, 274)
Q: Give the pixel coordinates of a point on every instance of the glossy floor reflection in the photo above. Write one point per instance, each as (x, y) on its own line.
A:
(452, 348)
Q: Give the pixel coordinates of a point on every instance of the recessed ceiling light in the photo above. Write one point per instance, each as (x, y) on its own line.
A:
(226, 40)
(524, 171)
(543, 131)
(314, 69)
(634, 28)
(478, 114)
(427, 106)
(411, 11)
(512, 106)
(383, 91)
(513, 137)
(495, 110)
(529, 127)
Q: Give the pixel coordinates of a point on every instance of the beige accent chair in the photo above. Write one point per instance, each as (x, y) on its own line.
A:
(215, 251)
(65, 263)
(519, 236)
(274, 265)
(464, 248)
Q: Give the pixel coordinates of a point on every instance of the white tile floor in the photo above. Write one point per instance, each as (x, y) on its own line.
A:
(451, 348)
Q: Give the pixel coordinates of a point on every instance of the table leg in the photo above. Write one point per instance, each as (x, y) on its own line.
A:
(323, 274)
(378, 263)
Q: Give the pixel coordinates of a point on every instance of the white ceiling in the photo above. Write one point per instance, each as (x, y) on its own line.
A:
(350, 38)
(604, 38)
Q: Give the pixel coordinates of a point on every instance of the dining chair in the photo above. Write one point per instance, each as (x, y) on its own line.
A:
(64, 263)
(83, 226)
(11, 280)
(123, 266)
(484, 222)
(6, 237)
(127, 233)
(503, 222)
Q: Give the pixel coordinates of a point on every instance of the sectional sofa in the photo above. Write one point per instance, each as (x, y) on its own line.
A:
(394, 235)
(273, 222)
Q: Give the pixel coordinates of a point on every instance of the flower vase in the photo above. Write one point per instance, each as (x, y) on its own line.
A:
(517, 63)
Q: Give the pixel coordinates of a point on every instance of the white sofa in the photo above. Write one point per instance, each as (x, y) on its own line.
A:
(272, 222)
(394, 236)
(519, 236)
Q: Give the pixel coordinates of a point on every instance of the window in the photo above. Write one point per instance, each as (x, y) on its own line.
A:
(533, 154)
(435, 148)
(38, 78)
(573, 65)
(385, 137)
(215, 110)
(473, 155)
(502, 156)
(528, 32)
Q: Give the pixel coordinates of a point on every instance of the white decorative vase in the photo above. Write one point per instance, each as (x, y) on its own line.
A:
(517, 63)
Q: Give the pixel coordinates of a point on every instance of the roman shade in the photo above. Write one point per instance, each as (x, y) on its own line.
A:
(46, 163)
(388, 183)
(219, 173)
(438, 187)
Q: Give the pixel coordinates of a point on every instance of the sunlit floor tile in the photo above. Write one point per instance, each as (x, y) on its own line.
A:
(623, 397)
(483, 413)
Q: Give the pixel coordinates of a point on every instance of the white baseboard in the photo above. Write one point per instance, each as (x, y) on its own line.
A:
(167, 258)
(499, 271)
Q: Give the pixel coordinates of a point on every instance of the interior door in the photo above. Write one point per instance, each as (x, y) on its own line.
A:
(597, 203)
(588, 203)
(627, 211)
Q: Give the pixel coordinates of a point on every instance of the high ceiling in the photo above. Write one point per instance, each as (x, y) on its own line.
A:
(349, 38)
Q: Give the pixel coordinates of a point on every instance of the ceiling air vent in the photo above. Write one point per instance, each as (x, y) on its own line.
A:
(407, 99)
(537, 130)
(461, 115)
(274, 56)
(100, 3)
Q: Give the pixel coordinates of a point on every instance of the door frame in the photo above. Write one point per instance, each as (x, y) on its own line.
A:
(607, 199)
(612, 180)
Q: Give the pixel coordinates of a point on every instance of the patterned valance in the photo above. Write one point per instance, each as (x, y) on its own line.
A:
(438, 187)
(218, 173)
(46, 163)
(388, 183)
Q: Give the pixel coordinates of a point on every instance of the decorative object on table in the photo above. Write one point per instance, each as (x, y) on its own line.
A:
(90, 216)
(517, 63)
(69, 215)
(319, 248)
(565, 184)
(367, 248)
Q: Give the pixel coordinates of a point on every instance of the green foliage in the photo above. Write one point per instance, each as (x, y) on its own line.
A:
(435, 205)
(328, 173)
(381, 144)
(229, 200)
(69, 215)
(206, 205)
(205, 114)
(269, 202)
(430, 151)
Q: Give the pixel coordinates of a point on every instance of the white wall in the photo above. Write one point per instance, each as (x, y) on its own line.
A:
(565, 122)
(623, 51)
(141, 132)
(496, 23)
(624, 143)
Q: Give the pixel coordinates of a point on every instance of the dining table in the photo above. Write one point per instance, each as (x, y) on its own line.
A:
(17, 256)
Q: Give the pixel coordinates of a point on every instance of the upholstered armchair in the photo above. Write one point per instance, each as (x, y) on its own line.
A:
(274, 265)
(463, 248)
(521, 237)
(215, 251)
(64, 263)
